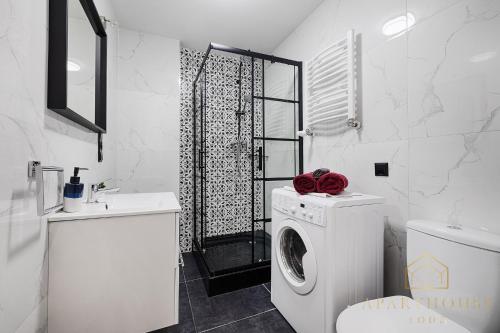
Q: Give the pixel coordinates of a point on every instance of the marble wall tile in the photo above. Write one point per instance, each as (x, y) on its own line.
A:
(453, 86)
(148, 97)
(455, 179)
(425, 9)
(29, 131)
(429, 104)
(367, 18)
(331, 21)
(381, 61)
(453, 111)
(146, 63)
(383, 92)
(357, 163)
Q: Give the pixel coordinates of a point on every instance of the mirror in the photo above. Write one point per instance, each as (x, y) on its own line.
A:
(76, 85)
(81, 62)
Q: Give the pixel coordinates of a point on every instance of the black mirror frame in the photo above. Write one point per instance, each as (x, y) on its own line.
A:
(57, 88)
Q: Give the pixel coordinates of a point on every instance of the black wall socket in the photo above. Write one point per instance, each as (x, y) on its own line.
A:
(382, 169)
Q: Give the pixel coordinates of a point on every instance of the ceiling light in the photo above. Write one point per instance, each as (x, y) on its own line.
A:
(73, 66)
(398, 24)
(483, 56)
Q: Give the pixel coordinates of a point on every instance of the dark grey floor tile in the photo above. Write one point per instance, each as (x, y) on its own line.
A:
(213, 311)
(268, 286)
(191, 271)
(186, 324)
(268, 322)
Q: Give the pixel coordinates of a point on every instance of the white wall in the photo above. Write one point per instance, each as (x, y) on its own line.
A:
(429, 104)
(28, 131)
(148, 97)
(143, 123)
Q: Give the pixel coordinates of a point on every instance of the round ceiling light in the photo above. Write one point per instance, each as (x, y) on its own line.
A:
(73, 66)
(483, 56)
(398, 24)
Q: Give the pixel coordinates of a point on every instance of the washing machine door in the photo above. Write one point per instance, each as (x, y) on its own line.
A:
(295, 256)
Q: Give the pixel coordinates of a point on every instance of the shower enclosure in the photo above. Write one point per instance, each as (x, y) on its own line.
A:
(247, 109)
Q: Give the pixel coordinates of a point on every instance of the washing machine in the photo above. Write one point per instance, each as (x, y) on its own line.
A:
(327, 254)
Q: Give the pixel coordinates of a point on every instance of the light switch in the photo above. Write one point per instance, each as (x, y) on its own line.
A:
(382, 169)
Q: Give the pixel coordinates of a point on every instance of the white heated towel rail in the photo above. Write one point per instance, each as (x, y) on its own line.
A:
(331, 83)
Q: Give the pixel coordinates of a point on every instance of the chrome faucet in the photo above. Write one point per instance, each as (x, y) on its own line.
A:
(99, 188)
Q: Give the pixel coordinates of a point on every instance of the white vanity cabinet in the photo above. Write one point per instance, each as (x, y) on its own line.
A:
(115, 269)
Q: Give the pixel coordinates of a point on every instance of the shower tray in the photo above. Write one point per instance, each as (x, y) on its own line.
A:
(227, 265)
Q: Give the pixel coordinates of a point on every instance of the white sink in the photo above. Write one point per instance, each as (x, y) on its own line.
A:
(111, 205)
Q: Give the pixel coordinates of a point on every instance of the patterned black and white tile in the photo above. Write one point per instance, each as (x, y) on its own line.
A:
(228, 172)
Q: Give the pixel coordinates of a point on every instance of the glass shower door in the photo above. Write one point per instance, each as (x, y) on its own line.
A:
(276, 145)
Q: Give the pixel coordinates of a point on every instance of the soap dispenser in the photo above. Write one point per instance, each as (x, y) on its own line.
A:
(73, 192)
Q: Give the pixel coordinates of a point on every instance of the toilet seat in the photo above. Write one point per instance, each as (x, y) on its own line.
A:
(394, 314)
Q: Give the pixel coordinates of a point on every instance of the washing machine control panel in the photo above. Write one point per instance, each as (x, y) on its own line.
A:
(300, 210)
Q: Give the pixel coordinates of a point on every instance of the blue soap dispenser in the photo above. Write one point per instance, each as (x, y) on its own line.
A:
(73, 192)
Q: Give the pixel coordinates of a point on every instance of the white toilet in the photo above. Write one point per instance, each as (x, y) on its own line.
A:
(454, 277)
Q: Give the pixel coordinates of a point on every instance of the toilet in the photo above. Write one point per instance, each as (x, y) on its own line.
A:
(453, 273)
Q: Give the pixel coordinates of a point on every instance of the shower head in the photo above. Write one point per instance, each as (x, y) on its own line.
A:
(247, 99)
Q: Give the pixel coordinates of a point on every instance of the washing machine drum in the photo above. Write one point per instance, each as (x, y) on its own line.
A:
(295, 257)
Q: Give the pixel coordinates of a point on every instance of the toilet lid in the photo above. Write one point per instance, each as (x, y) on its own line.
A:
(394, 314)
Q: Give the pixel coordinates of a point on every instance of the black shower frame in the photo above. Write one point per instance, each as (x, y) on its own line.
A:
(257, 272)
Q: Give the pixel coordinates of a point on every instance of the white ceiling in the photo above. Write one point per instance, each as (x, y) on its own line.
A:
(259, 25)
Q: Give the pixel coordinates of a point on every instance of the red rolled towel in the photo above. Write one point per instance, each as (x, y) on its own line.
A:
(305, 183)
(332, 183)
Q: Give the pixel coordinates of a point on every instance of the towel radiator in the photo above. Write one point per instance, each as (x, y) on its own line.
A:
(331, 84)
